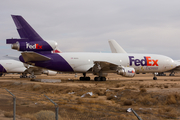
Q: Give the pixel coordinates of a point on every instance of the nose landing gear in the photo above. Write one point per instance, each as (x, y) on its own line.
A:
(154, 78)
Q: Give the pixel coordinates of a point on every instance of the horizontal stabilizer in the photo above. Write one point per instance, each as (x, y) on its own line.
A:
(12, 41)
(33, 56)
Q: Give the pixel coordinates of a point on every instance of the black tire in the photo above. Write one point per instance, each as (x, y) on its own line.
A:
(103, 79)
(81, 78)
(97, 79)
(88, 78)
(154, 78)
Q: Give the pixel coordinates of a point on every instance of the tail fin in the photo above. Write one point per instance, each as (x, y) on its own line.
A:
(24, 29)
(29, 38)
(115, 47)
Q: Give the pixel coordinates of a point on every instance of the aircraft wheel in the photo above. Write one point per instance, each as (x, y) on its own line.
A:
(81, 78)
(1, 74)
(154, 78)
(88, 78)
(103, 79)
(97, 79)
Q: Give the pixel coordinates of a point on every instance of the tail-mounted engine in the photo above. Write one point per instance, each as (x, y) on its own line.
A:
(126, 71)
(20, 45)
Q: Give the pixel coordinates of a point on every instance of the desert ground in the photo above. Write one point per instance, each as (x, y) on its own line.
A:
(109, 100)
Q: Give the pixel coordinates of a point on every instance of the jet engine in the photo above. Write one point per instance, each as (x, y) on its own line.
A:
(34, 46)
(49, 72)
(126, 71)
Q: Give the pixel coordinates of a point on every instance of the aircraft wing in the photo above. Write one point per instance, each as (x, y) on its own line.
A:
(104, 66)
(33, 56)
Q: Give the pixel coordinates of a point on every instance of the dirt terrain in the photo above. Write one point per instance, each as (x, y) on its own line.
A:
(108, 100)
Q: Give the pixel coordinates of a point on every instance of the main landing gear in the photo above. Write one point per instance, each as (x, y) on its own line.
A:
(154, 78)
(100, 79)
(84, 78)
(172, 73)
(24, 75)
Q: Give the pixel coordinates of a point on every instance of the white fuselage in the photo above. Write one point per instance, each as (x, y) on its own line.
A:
(12, 66)
(82, 62)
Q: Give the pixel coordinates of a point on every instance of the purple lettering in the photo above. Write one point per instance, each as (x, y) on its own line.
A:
(137, 62)
(144, 62)
(131, 60)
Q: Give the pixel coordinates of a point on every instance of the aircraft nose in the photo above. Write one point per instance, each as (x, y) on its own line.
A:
(172, 63)
(2, 69)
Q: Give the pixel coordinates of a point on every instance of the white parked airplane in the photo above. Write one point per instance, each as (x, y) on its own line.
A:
(13, 66)
(116, 48)
(37, 52)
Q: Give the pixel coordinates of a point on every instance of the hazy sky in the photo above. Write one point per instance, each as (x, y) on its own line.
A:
(139, 26)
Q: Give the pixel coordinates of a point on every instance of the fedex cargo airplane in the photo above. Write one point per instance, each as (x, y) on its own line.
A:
(37, 52)
(116, 48)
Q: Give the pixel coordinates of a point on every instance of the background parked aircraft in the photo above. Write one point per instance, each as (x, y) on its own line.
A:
(116, 48)
(15, 66)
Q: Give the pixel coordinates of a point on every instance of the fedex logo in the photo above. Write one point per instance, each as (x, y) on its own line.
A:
(35, 46)
(147, 61)
(129, 71)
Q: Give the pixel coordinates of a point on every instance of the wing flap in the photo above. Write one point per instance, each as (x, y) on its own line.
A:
(105, 66)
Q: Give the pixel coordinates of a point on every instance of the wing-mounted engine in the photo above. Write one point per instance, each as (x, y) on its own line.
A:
(126, 71)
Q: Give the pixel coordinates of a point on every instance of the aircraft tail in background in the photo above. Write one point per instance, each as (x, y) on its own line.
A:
(115, 47)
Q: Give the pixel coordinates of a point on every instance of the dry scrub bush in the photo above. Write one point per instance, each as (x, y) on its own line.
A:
(169, 112)
(172, 115)
(8, 114)
(147, 100)
(30, 116)
(37, 87)
(166, 86)
(100, 92)
(110, 97)
(143, 90)
(119, 85)
(171, 100)
(79, 108)
(92, 101)
(142, 86)
(81, 100)
(46, 115)
(80, 93)
(127, 102)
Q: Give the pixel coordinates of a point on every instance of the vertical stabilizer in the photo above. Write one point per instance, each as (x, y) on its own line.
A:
(115, 47)
(24, 29)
